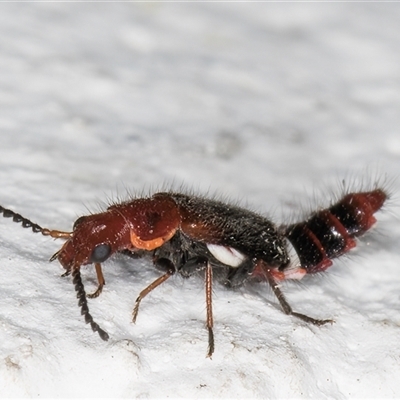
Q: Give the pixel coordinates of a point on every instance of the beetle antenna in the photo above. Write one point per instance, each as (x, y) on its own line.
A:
(82, 302)
(26, 223)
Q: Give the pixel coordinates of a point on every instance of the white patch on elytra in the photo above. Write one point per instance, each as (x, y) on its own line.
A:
(226, 255)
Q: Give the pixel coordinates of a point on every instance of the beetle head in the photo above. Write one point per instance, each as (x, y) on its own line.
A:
(93, 240)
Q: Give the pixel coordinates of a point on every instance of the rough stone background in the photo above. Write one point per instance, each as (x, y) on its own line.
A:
(272, 104)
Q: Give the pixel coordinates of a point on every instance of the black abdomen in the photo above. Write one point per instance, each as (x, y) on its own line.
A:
(329, 233)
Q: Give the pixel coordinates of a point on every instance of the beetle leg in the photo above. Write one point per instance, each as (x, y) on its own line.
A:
(100, 279)
(192, 266)
(208, 282)
(148, 289)
(287, 309)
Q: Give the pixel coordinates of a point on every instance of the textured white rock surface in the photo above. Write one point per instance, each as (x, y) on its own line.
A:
(265, 103)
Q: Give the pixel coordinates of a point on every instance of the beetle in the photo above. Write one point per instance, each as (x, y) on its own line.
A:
(186, 234)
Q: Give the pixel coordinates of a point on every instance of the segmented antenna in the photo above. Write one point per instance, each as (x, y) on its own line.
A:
(26, 223)
(82, 302)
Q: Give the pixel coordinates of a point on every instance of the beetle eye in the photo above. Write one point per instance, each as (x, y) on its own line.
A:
(100, 253)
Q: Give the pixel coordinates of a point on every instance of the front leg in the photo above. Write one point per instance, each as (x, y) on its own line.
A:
(101, 281)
